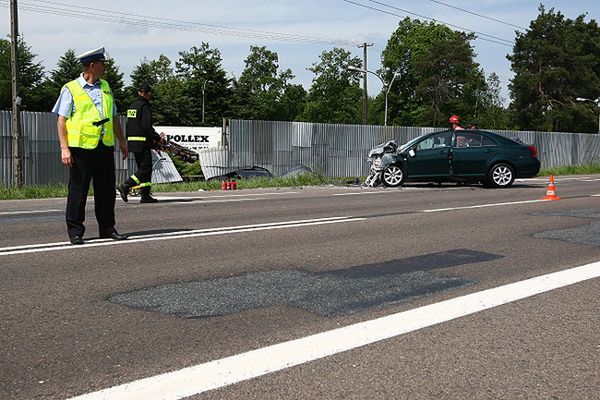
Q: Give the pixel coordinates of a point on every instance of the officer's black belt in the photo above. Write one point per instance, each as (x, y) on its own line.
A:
(101, 122)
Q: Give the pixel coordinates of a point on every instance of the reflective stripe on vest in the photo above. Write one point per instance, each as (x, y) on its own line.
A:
(137, 138)
(81, 131)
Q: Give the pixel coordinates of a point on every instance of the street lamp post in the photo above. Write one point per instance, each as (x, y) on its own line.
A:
(387, 91)
(597, 101)
(386, 87)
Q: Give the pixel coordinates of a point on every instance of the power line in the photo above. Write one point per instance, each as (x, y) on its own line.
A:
(494, 39)
(71, 10)
(479, 15)
(510, 42)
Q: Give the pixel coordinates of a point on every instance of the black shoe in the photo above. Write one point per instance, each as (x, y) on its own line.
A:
(148, 199)
(115, 236)
(76, 239)
(123, 191)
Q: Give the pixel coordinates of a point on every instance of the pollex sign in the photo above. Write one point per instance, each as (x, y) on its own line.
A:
(193, 138)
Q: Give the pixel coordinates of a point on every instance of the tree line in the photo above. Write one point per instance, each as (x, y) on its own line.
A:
(556, 61)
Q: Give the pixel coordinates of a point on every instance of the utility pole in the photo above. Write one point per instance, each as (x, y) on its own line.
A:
(16, 100)
(365, 93)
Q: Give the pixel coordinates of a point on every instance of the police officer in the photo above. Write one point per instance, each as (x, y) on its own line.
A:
(86, 132)
(141, 138)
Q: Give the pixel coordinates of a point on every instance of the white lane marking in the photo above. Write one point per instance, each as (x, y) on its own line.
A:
(208, 198)
(27, 212)
(230, 370)
(41, 248)
(483, 205)
(357, 193)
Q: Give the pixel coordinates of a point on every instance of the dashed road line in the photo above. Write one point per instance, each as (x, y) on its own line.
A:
(362, 193)
(483, 206)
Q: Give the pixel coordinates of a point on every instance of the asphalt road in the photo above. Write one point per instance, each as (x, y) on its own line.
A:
(208, 277)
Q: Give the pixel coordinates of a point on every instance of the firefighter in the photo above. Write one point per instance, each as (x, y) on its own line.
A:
(455, 123)
(87, 129)
(141, 138)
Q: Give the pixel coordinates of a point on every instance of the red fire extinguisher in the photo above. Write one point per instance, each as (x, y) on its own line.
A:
(233, 185)
(224, 185)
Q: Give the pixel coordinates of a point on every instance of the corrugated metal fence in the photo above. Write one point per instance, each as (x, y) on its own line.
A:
(41, 150)
(331, 149)
(341, 150)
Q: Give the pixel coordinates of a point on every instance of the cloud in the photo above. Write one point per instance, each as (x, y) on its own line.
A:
(51, 33)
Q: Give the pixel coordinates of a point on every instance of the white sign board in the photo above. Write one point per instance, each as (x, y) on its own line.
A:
(193, 138)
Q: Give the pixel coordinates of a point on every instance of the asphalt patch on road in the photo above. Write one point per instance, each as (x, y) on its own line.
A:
(588, 234)
(330, 293)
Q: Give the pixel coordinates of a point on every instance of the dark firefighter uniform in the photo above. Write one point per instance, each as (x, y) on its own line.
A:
(141, 138)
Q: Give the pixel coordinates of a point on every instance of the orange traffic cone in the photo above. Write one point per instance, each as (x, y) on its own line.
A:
(551, 192)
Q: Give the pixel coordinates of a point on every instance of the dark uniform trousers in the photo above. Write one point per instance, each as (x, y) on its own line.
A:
(143, 160)
(98, 166)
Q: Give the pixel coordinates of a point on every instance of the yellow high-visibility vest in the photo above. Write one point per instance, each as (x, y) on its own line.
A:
(81, 131)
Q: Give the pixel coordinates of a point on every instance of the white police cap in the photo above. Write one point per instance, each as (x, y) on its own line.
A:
(92, 55)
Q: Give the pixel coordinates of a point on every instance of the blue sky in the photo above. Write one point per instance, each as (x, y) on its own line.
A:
(50, 31)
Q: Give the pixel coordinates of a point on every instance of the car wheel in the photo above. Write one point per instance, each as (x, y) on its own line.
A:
(501, 175)
(392, 176)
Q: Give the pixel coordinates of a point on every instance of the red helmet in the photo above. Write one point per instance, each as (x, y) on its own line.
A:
(454, 119)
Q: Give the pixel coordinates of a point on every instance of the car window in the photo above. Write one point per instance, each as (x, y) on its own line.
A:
(435, 141)
(468, 139)
(488, 142)
(425, 144)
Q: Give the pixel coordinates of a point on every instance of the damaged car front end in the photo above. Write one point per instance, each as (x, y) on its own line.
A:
(379, 158)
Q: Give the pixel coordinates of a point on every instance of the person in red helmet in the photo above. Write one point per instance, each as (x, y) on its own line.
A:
(455, 122)
(461, 140)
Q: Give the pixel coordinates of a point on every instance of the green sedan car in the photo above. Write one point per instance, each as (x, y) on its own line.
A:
(454, 156)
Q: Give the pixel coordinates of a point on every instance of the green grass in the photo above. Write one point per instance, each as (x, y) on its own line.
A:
(313, 179)
(33, 192)
(572, 170)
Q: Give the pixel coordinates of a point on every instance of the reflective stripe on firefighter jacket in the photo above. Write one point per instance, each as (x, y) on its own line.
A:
(81, 131)
(140, 133)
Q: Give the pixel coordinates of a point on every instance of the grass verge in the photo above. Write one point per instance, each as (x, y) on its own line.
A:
(572, 170)
(50, 191)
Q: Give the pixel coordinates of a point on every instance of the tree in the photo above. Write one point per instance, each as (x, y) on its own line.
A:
(556, 61)
(141, 74)
(335, 95)
(262, 89)
(31, 76)
(291, 103)
(205, 82)
(438, 74)
(115, 80)
(170, 103)
(68, 68)
(490, 113)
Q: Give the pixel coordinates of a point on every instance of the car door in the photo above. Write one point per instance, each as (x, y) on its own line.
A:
(471, 153)
(428, 158)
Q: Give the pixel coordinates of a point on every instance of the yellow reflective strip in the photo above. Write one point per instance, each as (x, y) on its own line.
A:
(135, 178)
(137, 138)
